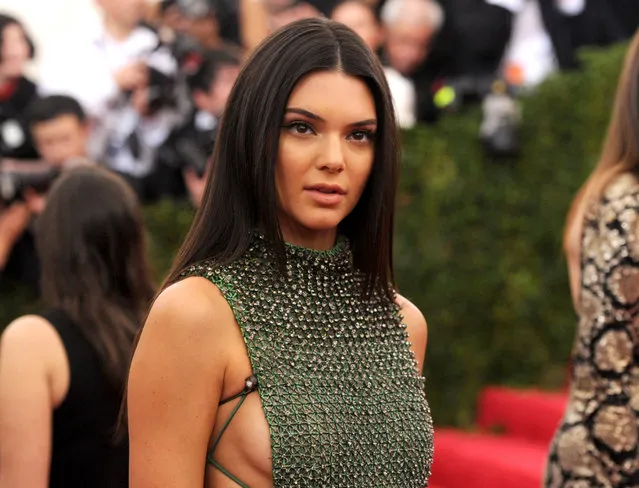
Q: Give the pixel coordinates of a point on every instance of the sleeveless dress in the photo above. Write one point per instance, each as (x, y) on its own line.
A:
(84, 452)
(337, 380)
(597, 443)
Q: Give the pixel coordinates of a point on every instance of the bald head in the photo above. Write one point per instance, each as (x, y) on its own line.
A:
(427, 13)
(409, 26)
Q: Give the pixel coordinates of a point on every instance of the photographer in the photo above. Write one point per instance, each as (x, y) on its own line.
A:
(125, 78)
(189, 147)
(60, 131)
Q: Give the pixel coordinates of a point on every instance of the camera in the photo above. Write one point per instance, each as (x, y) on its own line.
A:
(163, 77)
(15, 178)
(161, 91)
(500, 123)
(188, 149)
(500, 110)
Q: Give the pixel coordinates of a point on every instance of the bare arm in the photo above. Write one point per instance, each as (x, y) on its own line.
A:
(417, 329)
(253, 23)
(13, 222)
(27, 402)
(175, 385)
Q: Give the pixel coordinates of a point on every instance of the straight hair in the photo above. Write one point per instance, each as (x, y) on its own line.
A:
(240, 195)
(91, 244)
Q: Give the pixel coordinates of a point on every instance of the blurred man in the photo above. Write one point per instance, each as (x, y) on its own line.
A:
(123, 76)
(200, 23)
(189, 148)
(60, 130)
(360, 16)
(410, 27)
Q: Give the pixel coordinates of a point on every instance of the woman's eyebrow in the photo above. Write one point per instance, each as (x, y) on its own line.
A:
(312, 116)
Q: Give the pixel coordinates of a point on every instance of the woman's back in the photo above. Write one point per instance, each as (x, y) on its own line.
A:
(62, 373)
(598, 438)
(84, 451)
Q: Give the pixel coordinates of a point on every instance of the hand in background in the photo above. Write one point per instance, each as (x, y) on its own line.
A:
(34, 201)
(132, 76)
(140, 101)
(13, 222)
(195, 186)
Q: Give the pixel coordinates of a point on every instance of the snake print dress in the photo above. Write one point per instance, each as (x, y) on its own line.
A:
(597, 443)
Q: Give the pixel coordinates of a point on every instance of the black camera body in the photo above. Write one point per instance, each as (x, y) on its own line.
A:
(189, 148)
(14, 181)
(500, 110)
(161, 91)
(163, 75)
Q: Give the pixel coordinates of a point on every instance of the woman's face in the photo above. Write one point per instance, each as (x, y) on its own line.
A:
(15, 51)
(325, 155)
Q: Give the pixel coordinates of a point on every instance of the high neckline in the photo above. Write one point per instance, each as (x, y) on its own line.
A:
(339, 256)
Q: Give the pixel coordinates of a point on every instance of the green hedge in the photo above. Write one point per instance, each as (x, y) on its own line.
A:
(478, 244)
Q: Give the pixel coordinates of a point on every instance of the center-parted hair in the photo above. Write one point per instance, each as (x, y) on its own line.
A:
(240, 195)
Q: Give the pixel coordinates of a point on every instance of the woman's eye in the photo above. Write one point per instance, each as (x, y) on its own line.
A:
(362, 136)
(300, 128)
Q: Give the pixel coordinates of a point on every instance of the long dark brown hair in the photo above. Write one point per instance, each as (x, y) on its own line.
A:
(240, 193)
(91, 244)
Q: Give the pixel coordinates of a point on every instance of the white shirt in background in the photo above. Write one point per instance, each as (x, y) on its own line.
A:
(403, 93)
(530, 48)
(82, 66)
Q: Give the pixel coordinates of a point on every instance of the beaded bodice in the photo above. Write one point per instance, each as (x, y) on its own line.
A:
(341, 394)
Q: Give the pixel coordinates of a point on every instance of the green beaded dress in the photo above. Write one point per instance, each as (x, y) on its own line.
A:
(336, 376)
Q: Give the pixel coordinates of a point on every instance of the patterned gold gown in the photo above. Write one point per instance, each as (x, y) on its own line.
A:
(596, 444)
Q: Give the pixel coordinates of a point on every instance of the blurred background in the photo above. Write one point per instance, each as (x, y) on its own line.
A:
(503, 105)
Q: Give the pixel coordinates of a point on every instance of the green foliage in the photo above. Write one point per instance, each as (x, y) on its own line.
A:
(478, 242)
(478, 246)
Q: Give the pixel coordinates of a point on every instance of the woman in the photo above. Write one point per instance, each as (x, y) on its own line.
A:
(16, 90)
(276, 354)
(597, 442)
(17, 266)
(62, 372)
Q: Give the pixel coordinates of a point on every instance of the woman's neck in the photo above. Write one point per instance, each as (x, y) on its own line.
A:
(317, 240)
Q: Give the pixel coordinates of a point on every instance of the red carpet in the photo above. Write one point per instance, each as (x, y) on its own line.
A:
(512, 458)
(483, 461)
(526, 414)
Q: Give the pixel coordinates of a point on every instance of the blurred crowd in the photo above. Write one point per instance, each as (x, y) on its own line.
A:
(143, 95)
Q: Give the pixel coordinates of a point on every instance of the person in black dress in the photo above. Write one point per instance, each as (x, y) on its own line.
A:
(62, 371)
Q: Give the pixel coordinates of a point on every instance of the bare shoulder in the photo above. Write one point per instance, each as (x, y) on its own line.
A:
(175, 384)
(31, 332)
(416, 327)
(191, 311)
(413, 318)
